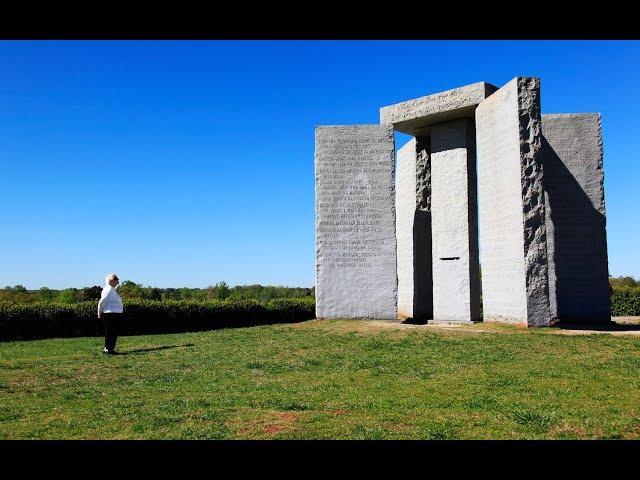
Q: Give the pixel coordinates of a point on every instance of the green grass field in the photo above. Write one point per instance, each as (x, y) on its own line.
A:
(326, 379)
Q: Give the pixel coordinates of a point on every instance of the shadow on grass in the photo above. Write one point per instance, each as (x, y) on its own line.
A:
(423, 321)
(144, 350)
(606, 327)
(413, 321)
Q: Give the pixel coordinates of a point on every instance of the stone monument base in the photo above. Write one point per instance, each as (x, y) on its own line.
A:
(454, 322)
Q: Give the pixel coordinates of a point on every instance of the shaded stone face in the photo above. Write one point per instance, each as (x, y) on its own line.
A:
(422, 238)
(413, 231)
(511, 205)
(456, 289)
(575, 217)
(355, 222)
(415, 116)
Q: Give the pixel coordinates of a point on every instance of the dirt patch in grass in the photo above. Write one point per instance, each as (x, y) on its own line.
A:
(267, 424)
(33, 384)
(282, 421)
(340, 411)
(397, 426)
(372, 327)
(565, 430)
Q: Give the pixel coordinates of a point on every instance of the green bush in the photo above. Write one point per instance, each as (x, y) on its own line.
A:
(625, 301)
(45, 320)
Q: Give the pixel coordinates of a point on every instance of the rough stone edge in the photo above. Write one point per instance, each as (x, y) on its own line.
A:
(533, 205)
(423, 175)
(392, 183)
(602, 207)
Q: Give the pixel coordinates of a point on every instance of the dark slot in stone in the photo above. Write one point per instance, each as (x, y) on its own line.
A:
(449, 258)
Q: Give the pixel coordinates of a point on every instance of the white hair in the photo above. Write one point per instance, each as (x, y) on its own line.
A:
(110, 277)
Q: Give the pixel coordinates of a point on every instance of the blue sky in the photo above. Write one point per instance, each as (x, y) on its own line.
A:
(184, 163)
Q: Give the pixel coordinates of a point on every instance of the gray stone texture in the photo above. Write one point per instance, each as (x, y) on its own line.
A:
(413, 231)
(575, 217)
(515, 285)
(355, 222)
(456, 281)
(415, 116)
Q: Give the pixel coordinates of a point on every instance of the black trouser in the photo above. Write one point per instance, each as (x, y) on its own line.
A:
(111, 323)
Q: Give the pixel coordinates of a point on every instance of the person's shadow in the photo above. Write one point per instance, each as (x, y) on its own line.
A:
(152, 349)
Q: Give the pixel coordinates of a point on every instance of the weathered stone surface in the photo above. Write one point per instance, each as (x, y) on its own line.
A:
(456, 280)
(355, 222)
(511, 205)
(416, 116)
(413, 231)
(575, 217)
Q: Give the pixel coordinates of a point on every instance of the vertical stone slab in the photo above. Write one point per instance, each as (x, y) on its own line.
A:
(513, 250)
(413, 231)
(576, 217)
(355, 222)
(422, 242)
(405, 212)
(456, 281)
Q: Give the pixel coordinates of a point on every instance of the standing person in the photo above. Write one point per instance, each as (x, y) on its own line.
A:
(110, 311)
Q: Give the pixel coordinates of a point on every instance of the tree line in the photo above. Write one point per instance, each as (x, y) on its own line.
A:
(622, 282)
(130, 290)
(220, 291)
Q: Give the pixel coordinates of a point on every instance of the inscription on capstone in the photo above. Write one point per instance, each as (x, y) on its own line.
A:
(355, 222)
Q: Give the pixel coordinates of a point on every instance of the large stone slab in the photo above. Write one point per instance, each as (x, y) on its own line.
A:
(456, 274)
(576, 217)
(513, 250)
(413, 231)
(417, 115)
(355, 222)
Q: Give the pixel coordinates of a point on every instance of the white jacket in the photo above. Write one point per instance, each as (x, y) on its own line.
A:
(110, 301)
